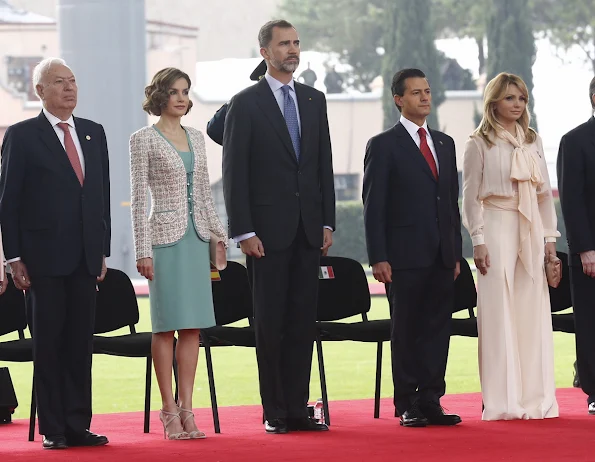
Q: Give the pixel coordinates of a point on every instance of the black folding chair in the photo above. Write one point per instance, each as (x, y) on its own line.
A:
(465, 299)
(560, 300)
(117, 308)
(13, 318)
(232, 301)
(346, 294)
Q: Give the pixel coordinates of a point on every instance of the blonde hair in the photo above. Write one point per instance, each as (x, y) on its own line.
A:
(495, 91)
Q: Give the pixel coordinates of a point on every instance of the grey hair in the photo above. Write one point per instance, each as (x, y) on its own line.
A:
(43, 68)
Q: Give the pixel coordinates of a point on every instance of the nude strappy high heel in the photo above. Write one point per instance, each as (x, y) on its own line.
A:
(166, 419)
(195, 434)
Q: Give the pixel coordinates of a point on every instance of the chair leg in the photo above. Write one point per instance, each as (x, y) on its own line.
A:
(177, 389)
(148, 393)
(211, 377)
(327, 415)
(378, 380)
(33, 412)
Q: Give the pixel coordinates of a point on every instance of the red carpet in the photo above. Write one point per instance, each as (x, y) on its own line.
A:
(354, 436)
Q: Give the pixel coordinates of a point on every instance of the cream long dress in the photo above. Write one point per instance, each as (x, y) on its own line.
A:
(508, 205)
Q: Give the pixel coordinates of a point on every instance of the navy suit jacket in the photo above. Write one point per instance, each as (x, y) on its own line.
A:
(410, 218)
(48, 219)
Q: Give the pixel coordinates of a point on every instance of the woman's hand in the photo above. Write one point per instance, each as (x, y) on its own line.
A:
(550, 249)
(145, 267)
(481, 257)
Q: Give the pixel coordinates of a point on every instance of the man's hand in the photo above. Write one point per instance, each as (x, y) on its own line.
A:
(327, 241)
(20, 276)
(481, 257)
(382, 272)
(457, 269)
(145, 267)
(588, 261)
(252, 247)
(101, 277)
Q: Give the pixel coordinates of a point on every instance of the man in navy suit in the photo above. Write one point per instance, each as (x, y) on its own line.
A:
(576, 183)
(55, 218)
(413, 235)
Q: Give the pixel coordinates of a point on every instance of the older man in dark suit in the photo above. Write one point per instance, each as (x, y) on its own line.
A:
(55, 218)
(280, 199)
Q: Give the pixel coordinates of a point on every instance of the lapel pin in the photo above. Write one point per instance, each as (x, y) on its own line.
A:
(88, 138)
(309, 99)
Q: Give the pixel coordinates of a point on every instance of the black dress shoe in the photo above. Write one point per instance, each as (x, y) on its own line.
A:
(86, 439)
(306, 424)
(54, 442)
(277, 426)
(436, 416)
(413, 417)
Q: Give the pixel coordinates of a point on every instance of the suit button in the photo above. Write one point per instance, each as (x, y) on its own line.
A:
(436, 220)
(297, 194)
(299, 172)
(438, 197)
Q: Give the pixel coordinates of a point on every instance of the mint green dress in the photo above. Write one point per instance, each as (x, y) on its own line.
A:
(180, 292)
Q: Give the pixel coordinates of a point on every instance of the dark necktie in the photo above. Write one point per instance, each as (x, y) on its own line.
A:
(425, 150)
(291, 119)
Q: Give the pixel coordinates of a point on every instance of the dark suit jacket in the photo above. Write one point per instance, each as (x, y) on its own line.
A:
(576, 183)
(47, 218)
(409, 216)
(216, 125)
(266, 190)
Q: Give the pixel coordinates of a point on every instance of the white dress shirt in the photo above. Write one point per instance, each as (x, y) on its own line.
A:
(412, 129)
(54, 121)
(278, 94)
(77, 144)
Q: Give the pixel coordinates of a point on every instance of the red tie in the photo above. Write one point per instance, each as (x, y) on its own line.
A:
(71, 152)
(425, 150)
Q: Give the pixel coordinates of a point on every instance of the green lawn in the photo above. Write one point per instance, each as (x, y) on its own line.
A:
(118, 383)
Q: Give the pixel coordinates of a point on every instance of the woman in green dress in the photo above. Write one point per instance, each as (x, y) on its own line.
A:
(172, 243)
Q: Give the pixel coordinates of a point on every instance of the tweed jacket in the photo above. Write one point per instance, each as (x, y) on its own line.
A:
(155, 165)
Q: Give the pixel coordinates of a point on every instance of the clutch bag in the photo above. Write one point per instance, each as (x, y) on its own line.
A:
(218, 255)
(553, 270)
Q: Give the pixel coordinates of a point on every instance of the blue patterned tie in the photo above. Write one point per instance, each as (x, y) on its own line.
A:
(291, 119)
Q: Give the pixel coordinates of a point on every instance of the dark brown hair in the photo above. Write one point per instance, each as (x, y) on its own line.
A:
(265, 35)
(157, 92)
(399, 82)
(592, 92)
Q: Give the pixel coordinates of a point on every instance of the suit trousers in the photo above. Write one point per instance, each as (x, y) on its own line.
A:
(62, 314)
(285, 292)
(583, 300)
(421, 303)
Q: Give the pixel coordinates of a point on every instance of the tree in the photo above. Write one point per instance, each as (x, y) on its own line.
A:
(567, 24)
(511, 45)
(350, 28)
(462, 18)
(409, 42)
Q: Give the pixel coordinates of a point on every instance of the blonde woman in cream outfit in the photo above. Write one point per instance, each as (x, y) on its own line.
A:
(172, 244)
(508, 210)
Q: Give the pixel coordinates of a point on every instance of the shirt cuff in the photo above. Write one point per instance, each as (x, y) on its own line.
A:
(329, 227)
(12, 260)
(477, 240)
(550, 239)
(243, 237)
